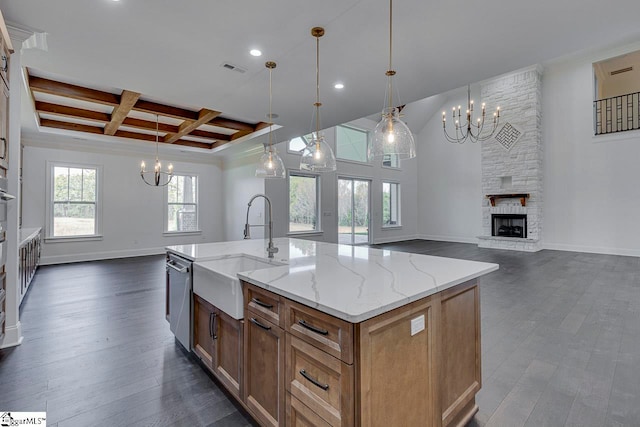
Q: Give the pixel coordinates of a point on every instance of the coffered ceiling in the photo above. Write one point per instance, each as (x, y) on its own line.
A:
(127, 114)
(173, 51)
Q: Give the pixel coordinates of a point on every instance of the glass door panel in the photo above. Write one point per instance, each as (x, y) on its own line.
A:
(353, 211)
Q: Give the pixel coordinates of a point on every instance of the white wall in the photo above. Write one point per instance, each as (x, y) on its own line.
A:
(449, 180)
(592, 196)
(277, 190)
(132, 212)
(239, 185)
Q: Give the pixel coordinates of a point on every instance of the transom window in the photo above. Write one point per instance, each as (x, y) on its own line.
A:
(351, 144)
(390, 161)
(390, 204)
(296, 145)
(182, 204)
(303, 203)
(73, 210)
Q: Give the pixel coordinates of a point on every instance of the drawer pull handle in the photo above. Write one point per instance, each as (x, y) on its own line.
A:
(255, 322)
(313, 380)
(313, 328)
(212, 320)
(261, 304)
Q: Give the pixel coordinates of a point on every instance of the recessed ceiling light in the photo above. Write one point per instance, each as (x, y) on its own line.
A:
(338, 86)
(255, 52)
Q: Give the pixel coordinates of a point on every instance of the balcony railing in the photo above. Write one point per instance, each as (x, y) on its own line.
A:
(617, 114)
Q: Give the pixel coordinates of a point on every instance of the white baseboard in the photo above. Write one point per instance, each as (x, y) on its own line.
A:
(12, 336)
(96, 256)
(454, 239)
(591, 249)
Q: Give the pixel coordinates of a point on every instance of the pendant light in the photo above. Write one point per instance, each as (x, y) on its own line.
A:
(391, 136)
(160, 178)
(270, 165)
(317, 156)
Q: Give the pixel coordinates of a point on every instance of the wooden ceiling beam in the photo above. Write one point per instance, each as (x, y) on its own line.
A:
(127, 101)
(52, 87)
(232, 124)
(210, 135)
(149, 125)
(204, 116)
(64, 111)
(165, 110)
(98, 130)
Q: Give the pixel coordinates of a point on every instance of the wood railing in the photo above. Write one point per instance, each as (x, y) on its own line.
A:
(617, 114)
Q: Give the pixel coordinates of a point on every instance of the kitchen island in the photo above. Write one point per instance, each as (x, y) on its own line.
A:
(344, 335)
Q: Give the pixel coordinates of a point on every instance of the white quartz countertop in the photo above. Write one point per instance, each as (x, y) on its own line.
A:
(353, 283)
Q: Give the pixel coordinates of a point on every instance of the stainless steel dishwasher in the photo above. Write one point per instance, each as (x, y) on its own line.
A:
(179, 276)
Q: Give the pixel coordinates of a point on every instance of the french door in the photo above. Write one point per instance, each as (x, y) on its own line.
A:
(353, 211)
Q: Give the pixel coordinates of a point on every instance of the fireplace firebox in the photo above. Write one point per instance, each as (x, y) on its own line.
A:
(509, 225)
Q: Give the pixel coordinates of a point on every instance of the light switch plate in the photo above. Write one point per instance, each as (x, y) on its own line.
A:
(417, 325)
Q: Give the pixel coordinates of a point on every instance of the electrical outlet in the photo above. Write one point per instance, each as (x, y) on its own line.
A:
(417, 325)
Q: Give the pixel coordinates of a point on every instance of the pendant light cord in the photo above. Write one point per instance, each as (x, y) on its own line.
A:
(157, 120)
(390, 72)
(317, 104)
(270, 115)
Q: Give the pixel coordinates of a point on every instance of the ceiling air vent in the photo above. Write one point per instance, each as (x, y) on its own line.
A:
(621, 70)
(231, 67)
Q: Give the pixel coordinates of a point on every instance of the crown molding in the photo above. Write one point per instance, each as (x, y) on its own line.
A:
(19, 33)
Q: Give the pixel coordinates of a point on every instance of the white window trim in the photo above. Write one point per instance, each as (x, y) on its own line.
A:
(49, 237)
(318, 229)
(399, 224)
(165, 206)
(335, 138)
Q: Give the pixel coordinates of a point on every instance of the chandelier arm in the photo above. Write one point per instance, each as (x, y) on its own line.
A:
(449, 137)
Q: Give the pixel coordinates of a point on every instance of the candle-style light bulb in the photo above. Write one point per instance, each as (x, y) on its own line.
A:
(142, 166)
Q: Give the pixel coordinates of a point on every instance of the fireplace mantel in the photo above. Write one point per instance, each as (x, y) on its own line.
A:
(522, 196)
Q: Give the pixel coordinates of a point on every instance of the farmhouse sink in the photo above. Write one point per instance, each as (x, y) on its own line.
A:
(217, 282)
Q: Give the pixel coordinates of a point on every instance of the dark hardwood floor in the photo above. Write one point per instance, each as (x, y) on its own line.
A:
(560, 339)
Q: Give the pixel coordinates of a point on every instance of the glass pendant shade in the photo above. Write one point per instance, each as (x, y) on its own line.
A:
(317, 156)
(392, 137)
(270, 164)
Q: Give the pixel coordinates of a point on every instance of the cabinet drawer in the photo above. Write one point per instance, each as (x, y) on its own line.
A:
(298, 415)
(328, 333)
(264, 303)
(320, 381)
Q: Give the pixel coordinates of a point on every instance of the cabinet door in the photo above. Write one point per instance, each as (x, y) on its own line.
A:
(4, 127)
(264, 369)
(227, 350)
(397, 375)
(203, 330)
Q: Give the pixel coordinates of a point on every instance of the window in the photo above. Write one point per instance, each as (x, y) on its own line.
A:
(182, 204)
(73, 210)
(303, 203)
(390, 204)
(296, 145)
(351, 144)
(390, 161)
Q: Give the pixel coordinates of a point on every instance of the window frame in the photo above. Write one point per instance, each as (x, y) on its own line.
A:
(366, 149)
(50, 202)
(299, 152)
(166, 204)
(382, 165)
(398, 203)
(318, 229)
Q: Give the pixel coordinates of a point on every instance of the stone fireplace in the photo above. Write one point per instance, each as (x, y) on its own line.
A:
(512, 163)
(509, 225)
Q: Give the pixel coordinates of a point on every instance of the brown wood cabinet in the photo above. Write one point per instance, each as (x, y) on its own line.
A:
(264, 369)
(29, 252)
(217, 341)
(416, 365)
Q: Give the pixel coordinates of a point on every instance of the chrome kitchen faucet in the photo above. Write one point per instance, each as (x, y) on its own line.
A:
(271, 249)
